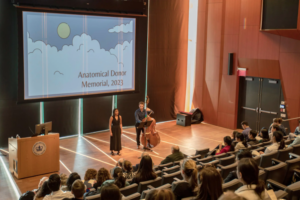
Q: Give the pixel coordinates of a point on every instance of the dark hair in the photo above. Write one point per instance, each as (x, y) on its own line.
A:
(279, 120)
(234, 133)
(265, 134)
(141, 102)
(114, 112)
(90, 174)
(29, 195)
(245, 123)
(78, 189)
(279, 138)
(244, 153)
(242, 138)
(158, 194)
(72, 177)
(249, 170)
(211, 184)
(120, 180)
(43, 191)
(275, 120)
(276, 127)
(253, 133)
(54, 182)
(145, 171)
(109, 192)
(228, 141)
(102, 175)
(127, 166)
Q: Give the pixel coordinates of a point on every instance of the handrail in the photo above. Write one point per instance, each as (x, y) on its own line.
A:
(290, 119)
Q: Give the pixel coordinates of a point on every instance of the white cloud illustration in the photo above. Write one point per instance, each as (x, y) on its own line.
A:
(125, 28)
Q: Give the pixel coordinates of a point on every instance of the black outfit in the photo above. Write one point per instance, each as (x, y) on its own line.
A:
(173, 157)
(252, 142)
(139, 116)
(182, 189)
(231, 176)
(115, 140)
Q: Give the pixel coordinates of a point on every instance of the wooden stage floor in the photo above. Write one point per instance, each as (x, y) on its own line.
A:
(77, 154)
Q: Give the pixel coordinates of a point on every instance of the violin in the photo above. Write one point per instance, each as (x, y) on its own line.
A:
(151, 134)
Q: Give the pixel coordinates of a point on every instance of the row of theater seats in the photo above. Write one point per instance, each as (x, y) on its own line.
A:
(276, 169)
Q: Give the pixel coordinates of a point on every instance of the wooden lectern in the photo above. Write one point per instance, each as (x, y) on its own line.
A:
(33, 156)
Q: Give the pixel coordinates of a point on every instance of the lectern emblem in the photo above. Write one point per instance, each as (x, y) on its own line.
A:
(39, 148)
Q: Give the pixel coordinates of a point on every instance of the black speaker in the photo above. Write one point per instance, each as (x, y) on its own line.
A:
(183, 119)
(230, 63)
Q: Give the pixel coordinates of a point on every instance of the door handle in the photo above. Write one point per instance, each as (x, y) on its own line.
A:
(246, 108)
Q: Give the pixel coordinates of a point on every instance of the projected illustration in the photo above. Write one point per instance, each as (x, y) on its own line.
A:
(67, 55)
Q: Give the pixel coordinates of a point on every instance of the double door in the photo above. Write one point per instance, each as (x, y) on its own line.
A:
(259, 101)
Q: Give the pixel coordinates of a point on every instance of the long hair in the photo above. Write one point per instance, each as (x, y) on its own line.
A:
(211, 184)
(279, 138)
(242, 138)
(145, 171)
(72, 177)
(250, 174)
(234, 133)
(113, 114)
(90, 174)
(189, 168)
(120, 180)
(265, 134)
(228, 141)
(102, 175)
(158, 194)
(43, 191)
(110, 192)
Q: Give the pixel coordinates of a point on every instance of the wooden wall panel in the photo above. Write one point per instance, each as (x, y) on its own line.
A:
(248, 42)
(250, 12)
(268, 46)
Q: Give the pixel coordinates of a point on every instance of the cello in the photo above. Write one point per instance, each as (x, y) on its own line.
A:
(152, 135)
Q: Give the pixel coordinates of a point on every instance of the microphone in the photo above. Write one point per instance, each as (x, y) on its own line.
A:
(31, 130)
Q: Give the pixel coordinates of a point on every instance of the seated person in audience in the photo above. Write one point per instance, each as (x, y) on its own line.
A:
(175, 156)
(128, 170)
(42, 192)
(210, 184)
(72, 177)
(282, 128)
(252, 138)
(296, 141)
(189, 186)
(253, 188)
(297, 132)
(145, 171)
(111, 192)
(78, 189)
(241, 142)
(63, 181)
(102, 176)
(275, 127)
(246, 129)
(90, 178)
(56, 192)
(119, 180)
(160, 194)
(143, 154)
(277, 143)
(227, 146)
(275, 122)
(120, 163)
(29, 195)
(263, 135)
(230, 195)
(233, 136)
(241, 154)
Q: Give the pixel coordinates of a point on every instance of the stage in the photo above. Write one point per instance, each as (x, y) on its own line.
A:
(77, 154)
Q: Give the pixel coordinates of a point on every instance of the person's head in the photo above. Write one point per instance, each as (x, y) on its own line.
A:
(78, 189)
(230, 195)
(211, 184)
(234, 133)
(54, 182)
(175, 149)
(72, 177)
(63, 179)
(278, 138)
(120, 162)
(244, 124)
(90, 174)
(252, 134)
(110, 192)
(189, 172)
(127, 166)
(141, 105)
(299, 123)
(228, 142)
(275, 121)
(116, 112)
(160, 194)
(145, 171)
(248, 173)
(275, 127)
(44, 190)
(279, 120)
(29, 195)
(118, 176)
(102, 175)
(245, 153)
(240, 137)
(264, 133)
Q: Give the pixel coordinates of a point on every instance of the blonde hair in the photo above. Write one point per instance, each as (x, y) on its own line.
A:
(63, 179)
(157, 194)
(189, 168)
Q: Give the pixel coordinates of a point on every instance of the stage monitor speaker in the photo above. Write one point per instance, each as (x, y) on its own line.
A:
(183, 119)
(230, 63)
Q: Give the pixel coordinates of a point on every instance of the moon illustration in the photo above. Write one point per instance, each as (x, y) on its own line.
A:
(63, 30)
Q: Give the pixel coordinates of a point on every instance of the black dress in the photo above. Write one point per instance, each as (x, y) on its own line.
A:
(115, 140)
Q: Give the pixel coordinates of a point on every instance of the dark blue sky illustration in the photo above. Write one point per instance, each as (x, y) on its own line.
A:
(43, 27)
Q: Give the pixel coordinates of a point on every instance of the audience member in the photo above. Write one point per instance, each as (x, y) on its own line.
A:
(42, 181)
(241, 141)
(282, 128)
(233, 136)
(189, 186)
(264, 135)
(241, 154)
(29, 195)
(296, 141)
(297, 132)
(120, 163)
(162, 194)
(252, 138)
(210, 184)
(63, 179)
(278, 143)
(229, 195)
(227, 146)
(110, 192)
(56, 192)
(102, 175)
(275, 122)
(42, 192)
(72, 177)
(246, 130)
(145, 171)
(253, 188)
(78, 190)
(175, 156)
(119, 180)
(275, 127)
(128, 170)
(90, 178)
